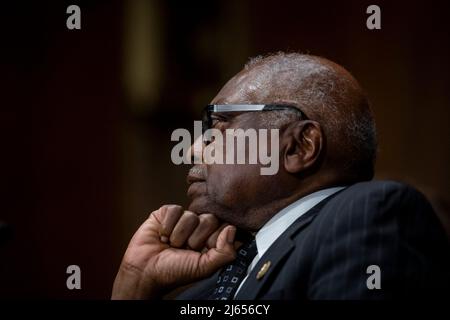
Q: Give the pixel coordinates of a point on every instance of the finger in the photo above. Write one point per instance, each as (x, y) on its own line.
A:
(170, 215)
(212, 240)
(208, 224)
(222, 254)
(183, 229)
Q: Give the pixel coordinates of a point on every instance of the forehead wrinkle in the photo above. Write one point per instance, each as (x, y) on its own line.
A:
(241, 89)
(266, 82)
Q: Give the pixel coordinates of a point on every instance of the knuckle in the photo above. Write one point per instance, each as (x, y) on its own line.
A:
(153, 213)
(175, 243)
(208, 220)
(170, 207)
(162, 210)
(164, 207)
(193, 243)
(189, 215)
(174, 207)
(171, 210)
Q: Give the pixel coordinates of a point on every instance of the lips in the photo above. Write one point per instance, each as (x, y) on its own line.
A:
(195, 180)
(196, 174)
(196, 189)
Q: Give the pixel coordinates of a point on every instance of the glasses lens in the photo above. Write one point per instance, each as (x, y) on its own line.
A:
(206, 124)
(206, 120)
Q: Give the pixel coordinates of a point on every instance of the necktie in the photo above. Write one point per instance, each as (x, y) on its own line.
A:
(232, 274)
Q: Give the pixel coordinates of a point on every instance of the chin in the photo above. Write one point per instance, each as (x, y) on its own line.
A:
(199, 205)
(202, 204)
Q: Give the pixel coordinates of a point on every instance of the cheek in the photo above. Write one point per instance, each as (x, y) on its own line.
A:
(233, 185)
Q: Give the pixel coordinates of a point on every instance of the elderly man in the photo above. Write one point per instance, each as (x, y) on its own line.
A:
(317, 229)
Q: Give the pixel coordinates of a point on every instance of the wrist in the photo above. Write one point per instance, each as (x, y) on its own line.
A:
(131, 284)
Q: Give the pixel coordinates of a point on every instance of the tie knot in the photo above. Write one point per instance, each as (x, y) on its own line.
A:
(247, 251)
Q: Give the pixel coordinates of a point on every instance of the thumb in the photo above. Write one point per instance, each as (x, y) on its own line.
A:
(222, 254)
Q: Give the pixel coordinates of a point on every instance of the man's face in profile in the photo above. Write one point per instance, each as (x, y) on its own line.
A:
(230, 190)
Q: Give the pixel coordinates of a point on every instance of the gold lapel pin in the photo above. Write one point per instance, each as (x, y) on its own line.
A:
(263, 270)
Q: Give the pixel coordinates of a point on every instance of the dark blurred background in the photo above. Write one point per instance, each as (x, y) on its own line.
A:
(87, 115)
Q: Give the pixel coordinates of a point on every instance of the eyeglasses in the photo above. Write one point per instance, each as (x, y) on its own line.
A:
(207, 121)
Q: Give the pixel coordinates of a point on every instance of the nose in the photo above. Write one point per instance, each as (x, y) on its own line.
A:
(195, 151)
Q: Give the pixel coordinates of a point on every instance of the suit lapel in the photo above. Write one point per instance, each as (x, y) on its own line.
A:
(269, 263)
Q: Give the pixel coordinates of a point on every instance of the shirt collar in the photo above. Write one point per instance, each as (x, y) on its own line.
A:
(270, 232)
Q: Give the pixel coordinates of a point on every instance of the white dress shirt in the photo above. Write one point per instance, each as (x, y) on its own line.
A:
(279, 223)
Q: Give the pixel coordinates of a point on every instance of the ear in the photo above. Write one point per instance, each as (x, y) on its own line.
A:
(303, 142)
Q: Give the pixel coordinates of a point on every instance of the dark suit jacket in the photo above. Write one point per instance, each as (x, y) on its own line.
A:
(326, 252)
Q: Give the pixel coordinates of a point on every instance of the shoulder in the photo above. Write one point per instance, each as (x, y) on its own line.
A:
(378, 205)
(381, 190)
(384, 223)
(378, 196)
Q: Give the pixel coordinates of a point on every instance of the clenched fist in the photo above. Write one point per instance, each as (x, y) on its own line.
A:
(171, 248)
